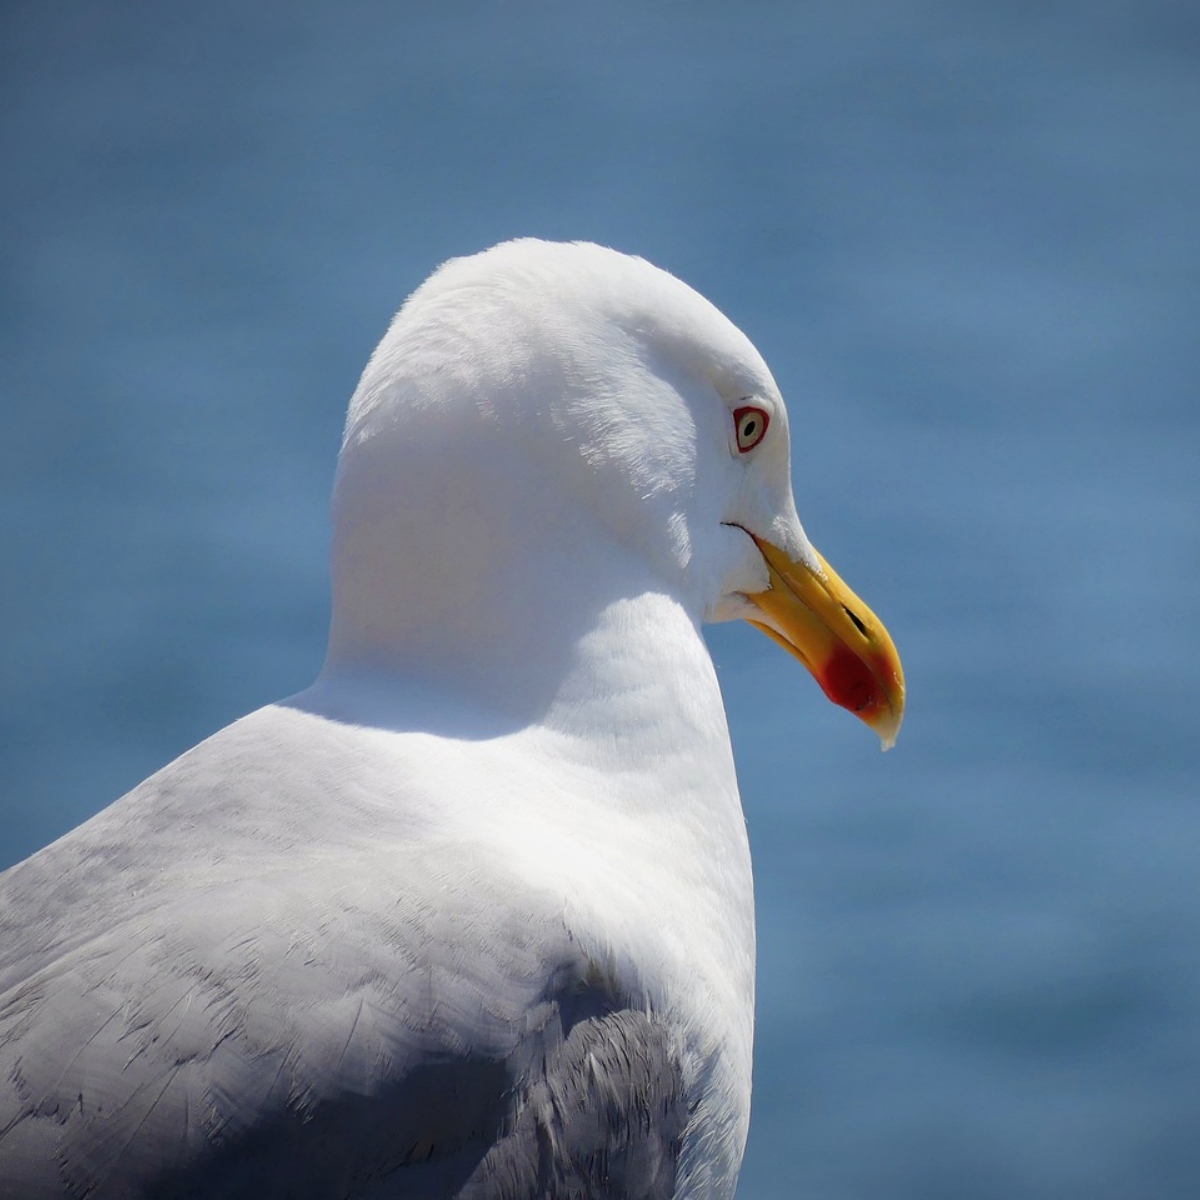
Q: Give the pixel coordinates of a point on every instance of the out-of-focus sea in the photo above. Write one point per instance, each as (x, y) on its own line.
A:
(967, 239)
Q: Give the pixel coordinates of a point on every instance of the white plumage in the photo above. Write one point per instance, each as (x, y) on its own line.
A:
(473, 915)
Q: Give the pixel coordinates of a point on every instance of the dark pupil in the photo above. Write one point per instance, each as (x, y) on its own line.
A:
(749, 427)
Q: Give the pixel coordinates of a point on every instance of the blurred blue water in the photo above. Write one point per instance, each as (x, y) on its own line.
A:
(965, 237)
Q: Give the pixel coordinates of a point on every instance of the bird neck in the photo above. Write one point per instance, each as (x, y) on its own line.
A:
(565, 630)
(469, 581)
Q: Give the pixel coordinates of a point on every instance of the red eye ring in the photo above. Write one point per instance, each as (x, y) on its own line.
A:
(750, 426)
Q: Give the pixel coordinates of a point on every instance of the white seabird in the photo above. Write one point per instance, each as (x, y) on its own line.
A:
(472, 916)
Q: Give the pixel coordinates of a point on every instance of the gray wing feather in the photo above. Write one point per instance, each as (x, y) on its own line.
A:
(282, 1026)
(584, 1101)
(604, 1121)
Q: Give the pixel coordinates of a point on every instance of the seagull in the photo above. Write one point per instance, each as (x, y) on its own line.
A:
(471, 917)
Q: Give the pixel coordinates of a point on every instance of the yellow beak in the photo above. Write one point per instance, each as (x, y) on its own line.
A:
(816, 617)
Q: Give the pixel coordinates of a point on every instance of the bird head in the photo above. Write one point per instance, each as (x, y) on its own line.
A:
(539, 400)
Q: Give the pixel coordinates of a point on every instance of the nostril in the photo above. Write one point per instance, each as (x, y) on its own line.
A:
(857, 623)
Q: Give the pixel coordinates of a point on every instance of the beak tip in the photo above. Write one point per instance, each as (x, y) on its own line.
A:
(888, 731)
(888, 715)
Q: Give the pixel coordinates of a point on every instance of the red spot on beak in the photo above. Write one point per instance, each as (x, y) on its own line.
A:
(848, 681)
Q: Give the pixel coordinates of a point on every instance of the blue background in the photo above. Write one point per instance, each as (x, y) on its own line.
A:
(967, 239)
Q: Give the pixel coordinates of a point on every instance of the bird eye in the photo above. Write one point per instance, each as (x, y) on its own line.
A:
(751, 425)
